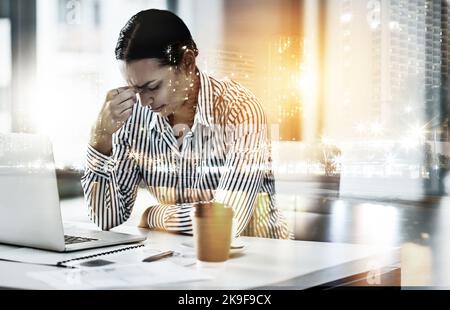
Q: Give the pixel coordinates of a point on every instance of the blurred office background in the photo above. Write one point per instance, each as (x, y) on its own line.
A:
(356, 91)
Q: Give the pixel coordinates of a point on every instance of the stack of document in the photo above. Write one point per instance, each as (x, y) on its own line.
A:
(143, 275)
(107, 268)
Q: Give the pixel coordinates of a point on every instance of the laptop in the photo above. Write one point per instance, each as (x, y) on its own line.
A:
(30, 213)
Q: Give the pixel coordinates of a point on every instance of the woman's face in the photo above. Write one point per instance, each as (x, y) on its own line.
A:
(163, 89)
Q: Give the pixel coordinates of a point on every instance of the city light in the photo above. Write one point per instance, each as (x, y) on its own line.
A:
(307, 82)
(346, 18)
(417, 132)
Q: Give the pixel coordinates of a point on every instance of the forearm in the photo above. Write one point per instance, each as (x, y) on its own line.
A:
(172, 218)
(100, 204)
(109, 195)
(101, 141)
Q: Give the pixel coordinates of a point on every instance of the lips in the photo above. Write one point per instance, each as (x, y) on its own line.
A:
(157, 109)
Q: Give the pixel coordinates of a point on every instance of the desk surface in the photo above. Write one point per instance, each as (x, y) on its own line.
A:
(265, 263)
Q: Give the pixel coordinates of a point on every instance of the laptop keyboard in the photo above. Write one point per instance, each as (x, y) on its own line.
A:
(72, 239)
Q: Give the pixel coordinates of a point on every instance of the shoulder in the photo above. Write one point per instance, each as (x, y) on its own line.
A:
(239, 102)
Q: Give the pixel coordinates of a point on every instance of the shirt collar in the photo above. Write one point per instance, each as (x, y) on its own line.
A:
(204, 114)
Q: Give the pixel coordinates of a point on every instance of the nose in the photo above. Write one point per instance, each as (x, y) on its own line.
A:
(146, 101)
(150, 102)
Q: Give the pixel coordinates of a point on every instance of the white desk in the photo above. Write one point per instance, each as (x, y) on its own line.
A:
(265, 263)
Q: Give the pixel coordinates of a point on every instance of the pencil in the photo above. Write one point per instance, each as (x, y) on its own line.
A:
(153, 258)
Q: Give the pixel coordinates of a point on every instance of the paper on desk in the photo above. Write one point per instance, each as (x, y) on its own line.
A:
(4, 248)
(119, 276)
(131, 256)
(35, 256)
(136, 256)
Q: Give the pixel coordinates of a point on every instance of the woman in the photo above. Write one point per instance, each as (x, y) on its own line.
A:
(187, 136)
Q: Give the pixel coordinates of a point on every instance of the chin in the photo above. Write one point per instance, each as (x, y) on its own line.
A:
(163, 113)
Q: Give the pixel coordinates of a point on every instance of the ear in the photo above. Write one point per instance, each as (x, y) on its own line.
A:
(188, 62)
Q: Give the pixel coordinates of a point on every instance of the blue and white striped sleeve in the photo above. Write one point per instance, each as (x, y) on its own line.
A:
(171, 218)
(110, 183)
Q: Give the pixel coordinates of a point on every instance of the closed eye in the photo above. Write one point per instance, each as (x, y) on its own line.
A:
(148, 89)
(153, 88)
(145, 88)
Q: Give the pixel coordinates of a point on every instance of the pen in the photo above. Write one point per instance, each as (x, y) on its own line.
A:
(152, 258)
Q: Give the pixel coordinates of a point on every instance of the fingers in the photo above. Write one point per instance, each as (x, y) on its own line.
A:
(118, 114)
(126, 105)
(123, 88)
(124, 96)
(125, 114)
(114, 93)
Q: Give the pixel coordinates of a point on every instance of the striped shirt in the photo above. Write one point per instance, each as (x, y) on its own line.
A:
(225, 157)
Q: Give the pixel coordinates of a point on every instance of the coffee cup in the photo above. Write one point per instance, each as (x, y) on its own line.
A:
(212, 226)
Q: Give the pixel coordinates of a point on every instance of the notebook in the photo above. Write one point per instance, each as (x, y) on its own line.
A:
(120, 254)
(157, 275)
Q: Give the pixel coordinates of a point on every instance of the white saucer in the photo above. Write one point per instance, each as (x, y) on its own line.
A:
(236, 246)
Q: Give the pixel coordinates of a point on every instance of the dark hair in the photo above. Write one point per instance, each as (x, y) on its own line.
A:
(155, 34)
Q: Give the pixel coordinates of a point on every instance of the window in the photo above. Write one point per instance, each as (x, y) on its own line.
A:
(75, 68)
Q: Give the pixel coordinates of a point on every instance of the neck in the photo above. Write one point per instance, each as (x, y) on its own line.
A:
(193, 91)
(186, 113)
